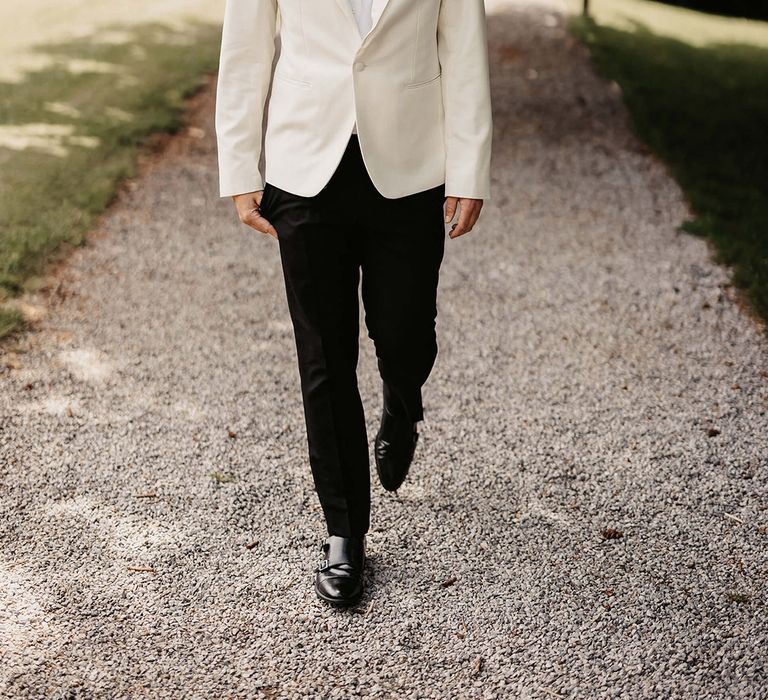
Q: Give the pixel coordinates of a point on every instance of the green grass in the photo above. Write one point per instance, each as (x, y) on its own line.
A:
(48, 199)
(704, 110)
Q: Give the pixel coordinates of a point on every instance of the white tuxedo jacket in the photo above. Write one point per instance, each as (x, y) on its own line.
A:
(295, 76)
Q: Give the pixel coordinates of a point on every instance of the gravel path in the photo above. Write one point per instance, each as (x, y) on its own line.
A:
(587, 515)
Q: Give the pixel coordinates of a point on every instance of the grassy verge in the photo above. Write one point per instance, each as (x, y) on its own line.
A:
(704, 110)
(70, 133)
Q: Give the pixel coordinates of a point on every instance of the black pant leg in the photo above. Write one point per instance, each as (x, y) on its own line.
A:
(320, 261)
(403, 247)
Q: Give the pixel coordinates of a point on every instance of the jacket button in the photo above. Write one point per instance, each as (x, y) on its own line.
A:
(359, 65)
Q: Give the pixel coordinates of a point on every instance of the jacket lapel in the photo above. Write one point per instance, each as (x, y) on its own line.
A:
(383, 7)
(346, 9)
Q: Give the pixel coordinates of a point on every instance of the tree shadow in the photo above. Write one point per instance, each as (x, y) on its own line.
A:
(701, 108)
(704, 111)
(729, 8)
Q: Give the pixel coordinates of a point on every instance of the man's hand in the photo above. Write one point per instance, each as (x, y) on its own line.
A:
(469, 211)
(247, 206)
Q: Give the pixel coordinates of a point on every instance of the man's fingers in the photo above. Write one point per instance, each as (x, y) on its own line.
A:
(269, 229)
(475, 217)
(250, 215)
(470, 212)
(259, 223)
(450, 208)
(248, 212)
(463, 224)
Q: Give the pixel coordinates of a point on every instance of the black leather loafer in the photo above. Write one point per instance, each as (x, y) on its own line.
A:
(393, 447)
(339, 577)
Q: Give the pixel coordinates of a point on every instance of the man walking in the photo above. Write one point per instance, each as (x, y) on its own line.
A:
(378, 129)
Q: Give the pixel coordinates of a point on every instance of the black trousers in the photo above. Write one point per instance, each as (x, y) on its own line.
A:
(327, 242)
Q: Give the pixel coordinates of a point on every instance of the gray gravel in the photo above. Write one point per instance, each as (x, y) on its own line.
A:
(591, 473)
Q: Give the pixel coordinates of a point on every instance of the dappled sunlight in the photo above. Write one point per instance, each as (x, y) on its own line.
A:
(113, 36)
(84, 65)
(58, 405)
(86, 364)
(64, 109)
(41, 61)
(35, 22)
(119, 114)
(54, 139)
(127, 537)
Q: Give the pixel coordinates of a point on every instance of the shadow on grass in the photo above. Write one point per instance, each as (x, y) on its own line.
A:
(729, 8)
(704, 110)
(70, 132)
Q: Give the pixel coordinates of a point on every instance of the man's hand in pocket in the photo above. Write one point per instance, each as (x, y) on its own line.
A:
(247, 206)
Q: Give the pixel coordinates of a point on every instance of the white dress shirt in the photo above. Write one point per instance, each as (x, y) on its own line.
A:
(364, 12)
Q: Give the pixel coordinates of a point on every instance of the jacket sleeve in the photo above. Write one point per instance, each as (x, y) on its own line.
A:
(462, 46)
(245, 72)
